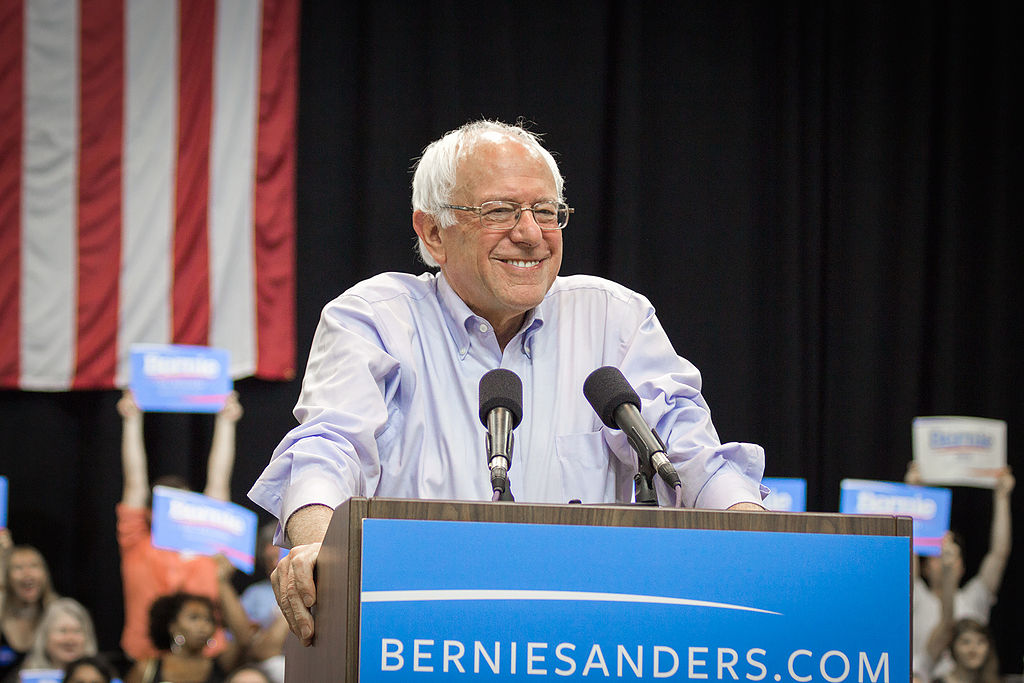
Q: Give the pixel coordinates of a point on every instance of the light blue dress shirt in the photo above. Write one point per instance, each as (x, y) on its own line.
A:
(390, 402)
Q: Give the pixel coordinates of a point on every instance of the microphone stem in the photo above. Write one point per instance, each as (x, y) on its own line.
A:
(644, 492)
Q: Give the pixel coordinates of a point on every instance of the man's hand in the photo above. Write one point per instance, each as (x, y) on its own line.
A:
(295, 590)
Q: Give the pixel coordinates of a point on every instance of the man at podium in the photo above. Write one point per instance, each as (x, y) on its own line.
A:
(389, 401)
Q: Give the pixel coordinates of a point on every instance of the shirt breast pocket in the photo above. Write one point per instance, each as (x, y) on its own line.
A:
(586, 466)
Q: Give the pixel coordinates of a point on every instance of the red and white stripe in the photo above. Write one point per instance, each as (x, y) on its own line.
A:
(147, 161)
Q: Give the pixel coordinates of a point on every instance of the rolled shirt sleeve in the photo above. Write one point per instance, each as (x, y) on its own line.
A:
(332, 454)
(713, 475)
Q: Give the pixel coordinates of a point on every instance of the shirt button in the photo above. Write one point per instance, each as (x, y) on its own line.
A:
(483, 327)
(462, 351)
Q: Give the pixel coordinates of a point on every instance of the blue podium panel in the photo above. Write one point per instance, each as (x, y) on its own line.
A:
(447, 601)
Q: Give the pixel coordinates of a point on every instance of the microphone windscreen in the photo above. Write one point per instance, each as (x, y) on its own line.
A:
(607, 389)
(501, 389)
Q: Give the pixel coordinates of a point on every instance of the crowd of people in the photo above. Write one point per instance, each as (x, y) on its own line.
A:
(184, 621)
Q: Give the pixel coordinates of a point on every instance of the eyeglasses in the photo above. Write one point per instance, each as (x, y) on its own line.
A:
(503, 215)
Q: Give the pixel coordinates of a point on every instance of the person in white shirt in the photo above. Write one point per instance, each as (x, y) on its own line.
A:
(389, 399)
(940, 600)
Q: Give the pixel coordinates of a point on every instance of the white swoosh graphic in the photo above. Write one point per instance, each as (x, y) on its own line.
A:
(578, 596)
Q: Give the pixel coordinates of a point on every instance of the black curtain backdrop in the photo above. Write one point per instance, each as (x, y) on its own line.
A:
(815, 196)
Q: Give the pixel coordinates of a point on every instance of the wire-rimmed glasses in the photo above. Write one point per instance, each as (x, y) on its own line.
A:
(505, 215)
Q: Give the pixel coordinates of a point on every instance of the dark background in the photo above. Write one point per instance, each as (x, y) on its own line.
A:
(821, 199)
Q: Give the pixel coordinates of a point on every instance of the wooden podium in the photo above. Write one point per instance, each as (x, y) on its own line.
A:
(334, 655)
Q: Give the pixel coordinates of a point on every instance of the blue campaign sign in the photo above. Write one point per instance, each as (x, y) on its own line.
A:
(174, 378)
(929, 507)
(788, 494)
(41, 676)
(191, 522)
(3, 502)
(441, 600)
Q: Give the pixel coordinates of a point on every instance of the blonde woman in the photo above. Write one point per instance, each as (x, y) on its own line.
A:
(65, 634)
(25, 592)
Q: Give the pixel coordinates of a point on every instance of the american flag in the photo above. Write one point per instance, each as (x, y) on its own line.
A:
(147, 190)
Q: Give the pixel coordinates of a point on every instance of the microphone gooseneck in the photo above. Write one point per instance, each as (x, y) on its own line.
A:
(618, 406)
(501, 410)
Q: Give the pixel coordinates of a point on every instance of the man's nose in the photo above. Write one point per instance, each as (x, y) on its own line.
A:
(527, 229)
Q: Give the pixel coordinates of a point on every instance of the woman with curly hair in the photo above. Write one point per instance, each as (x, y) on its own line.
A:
(25, 591)
(181, 626)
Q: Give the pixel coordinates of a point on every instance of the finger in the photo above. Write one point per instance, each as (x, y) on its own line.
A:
(279, 580)
(299, 619)
(302, 572)
(301, 615)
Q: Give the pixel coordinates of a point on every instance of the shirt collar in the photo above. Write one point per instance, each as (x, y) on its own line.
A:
(459, 318)
(457, 315)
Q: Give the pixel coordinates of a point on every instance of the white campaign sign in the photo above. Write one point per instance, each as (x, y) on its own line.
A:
(959, 451)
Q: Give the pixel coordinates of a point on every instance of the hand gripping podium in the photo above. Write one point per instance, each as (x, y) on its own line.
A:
(411, 590)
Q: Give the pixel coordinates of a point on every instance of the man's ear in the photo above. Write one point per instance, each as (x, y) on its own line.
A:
(429, 233)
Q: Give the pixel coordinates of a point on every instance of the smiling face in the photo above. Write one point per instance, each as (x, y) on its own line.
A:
(66, 640)
(27, 575)
(500, 274)
(970, 650)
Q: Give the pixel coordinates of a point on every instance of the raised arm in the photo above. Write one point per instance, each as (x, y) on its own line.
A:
(1001, 535)
(6, 546)
(235, 620)
(269, 641)
(913, 477)
(133, 453)
(952, 572)
(222, 449)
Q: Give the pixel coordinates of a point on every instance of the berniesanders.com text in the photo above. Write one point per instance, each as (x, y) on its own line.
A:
(635, 662)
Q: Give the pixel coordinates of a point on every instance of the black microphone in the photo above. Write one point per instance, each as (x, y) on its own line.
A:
(618, 406)
(501, 409)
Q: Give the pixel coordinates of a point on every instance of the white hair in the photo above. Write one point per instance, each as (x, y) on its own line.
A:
(38, 657)
(434, 179)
